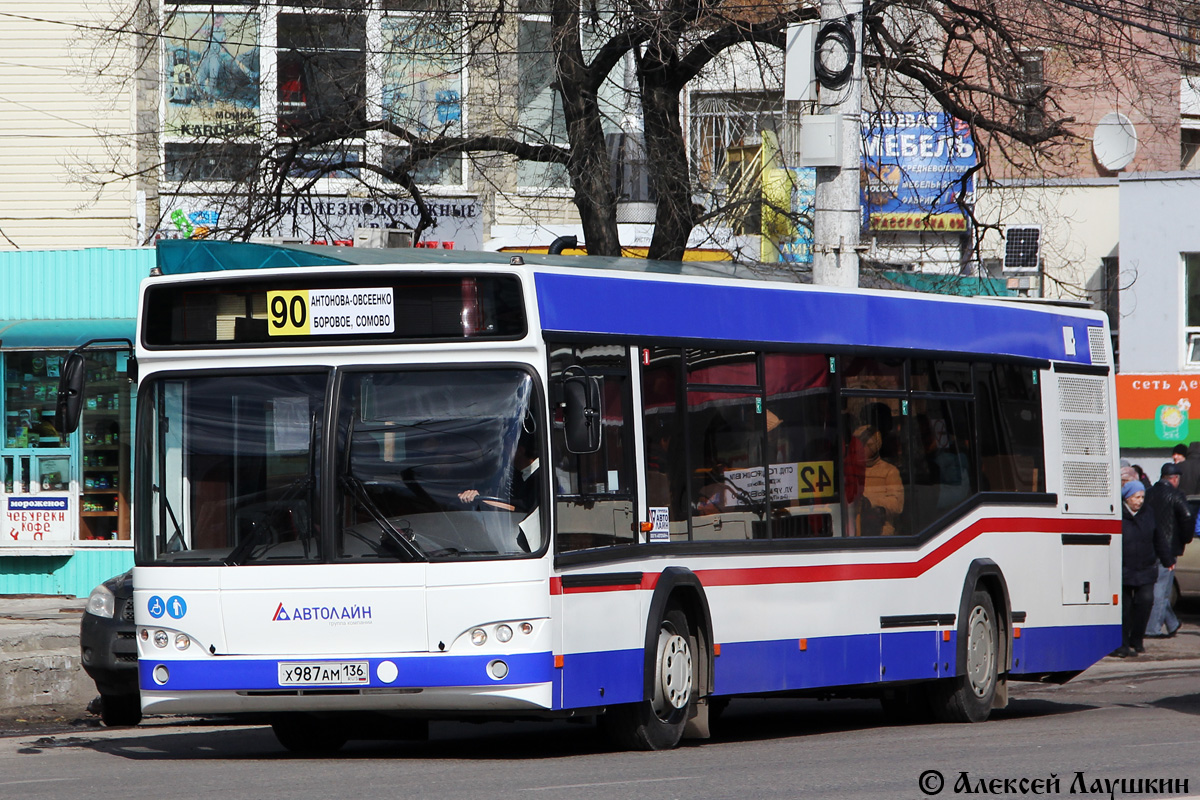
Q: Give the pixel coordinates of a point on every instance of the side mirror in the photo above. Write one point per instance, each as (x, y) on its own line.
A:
(70, 394)
(582, 412)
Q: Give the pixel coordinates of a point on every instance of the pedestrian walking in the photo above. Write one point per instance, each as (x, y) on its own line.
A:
(1189, 477)
(1142, 547)
(1174, 518)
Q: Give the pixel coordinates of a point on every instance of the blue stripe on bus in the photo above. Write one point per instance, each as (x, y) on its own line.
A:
(596, 679)
(624, 307)
(610, 677)
(1064, 649)
(230, 674)
(776, 666)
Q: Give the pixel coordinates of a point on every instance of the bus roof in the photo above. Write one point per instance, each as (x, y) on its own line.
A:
(187, 256)
(595, 296)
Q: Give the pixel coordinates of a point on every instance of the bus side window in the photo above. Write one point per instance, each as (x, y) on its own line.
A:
(877, 465)
(802, 446)
(595, 492)
(1011, 450)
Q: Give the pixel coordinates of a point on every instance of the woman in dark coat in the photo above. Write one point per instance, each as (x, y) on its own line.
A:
(1143, 546)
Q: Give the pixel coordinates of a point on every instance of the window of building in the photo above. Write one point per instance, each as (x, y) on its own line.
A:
(422, 82)
(727, 132)
(212, 74)
(210, 161)
(320, 78)
(321, 72)
(446, 169)
(1033, 90)
(1191, 269)
(539, 106)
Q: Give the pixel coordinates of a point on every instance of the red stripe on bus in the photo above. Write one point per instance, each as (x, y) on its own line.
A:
(827, 573)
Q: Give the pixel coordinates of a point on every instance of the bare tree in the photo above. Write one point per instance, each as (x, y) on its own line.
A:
(550, 94)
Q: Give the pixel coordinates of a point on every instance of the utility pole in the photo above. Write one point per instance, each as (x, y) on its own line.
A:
(837, 220)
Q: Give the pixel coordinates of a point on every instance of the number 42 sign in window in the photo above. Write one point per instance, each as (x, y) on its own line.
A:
(310, 312)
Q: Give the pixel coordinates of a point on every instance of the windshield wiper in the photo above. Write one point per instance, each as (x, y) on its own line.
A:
(405, 543)
(260, 528)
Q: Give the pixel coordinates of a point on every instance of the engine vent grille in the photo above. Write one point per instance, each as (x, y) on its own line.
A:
(1082, 479)
(1079, 395)
(1084, 438)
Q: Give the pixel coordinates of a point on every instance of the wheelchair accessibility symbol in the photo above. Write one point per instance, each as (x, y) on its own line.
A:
(157, 607)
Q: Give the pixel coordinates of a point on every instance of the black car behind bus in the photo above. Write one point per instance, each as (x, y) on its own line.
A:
(109, 650)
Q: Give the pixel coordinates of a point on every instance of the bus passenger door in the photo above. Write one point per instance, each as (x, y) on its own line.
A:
(595, 511)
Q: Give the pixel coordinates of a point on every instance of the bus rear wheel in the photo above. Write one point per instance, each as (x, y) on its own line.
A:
(658, 723)
(307, 735)
(968, 697)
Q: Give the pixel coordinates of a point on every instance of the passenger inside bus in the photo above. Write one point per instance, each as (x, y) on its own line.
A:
(882, 498)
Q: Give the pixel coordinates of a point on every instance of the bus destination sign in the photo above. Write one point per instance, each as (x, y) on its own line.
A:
(312, 312)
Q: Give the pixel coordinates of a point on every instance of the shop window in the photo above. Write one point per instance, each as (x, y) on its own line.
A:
(322, 72)
(105, 450)
(41, 471)
(1009, 408)
(595, 491)
(30, 394)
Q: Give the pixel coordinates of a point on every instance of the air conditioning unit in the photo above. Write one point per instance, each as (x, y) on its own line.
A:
(1022, 250)
(385, 238)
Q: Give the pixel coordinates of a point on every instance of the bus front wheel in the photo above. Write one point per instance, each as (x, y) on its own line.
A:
(968, 697)
(306, 735)
(658, 723)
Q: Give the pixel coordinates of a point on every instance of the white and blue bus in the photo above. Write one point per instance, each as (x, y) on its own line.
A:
(375, 488)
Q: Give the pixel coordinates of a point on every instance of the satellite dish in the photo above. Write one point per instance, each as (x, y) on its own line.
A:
(1114, 142)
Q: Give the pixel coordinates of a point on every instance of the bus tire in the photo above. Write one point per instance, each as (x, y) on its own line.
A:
(657, 723)
(309, 736)
(968, 697)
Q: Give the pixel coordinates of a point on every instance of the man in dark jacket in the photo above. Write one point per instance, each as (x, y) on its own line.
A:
(1143, 546)
(1189, 475)
(1174, 518)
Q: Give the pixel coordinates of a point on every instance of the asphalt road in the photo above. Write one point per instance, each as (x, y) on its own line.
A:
(1119, 720)
(1123, 719)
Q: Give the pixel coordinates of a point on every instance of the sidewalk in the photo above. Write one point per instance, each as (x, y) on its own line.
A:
(40, 674)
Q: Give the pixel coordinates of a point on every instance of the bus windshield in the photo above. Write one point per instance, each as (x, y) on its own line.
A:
(233, 465)
(438, 464)
(430, 465)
